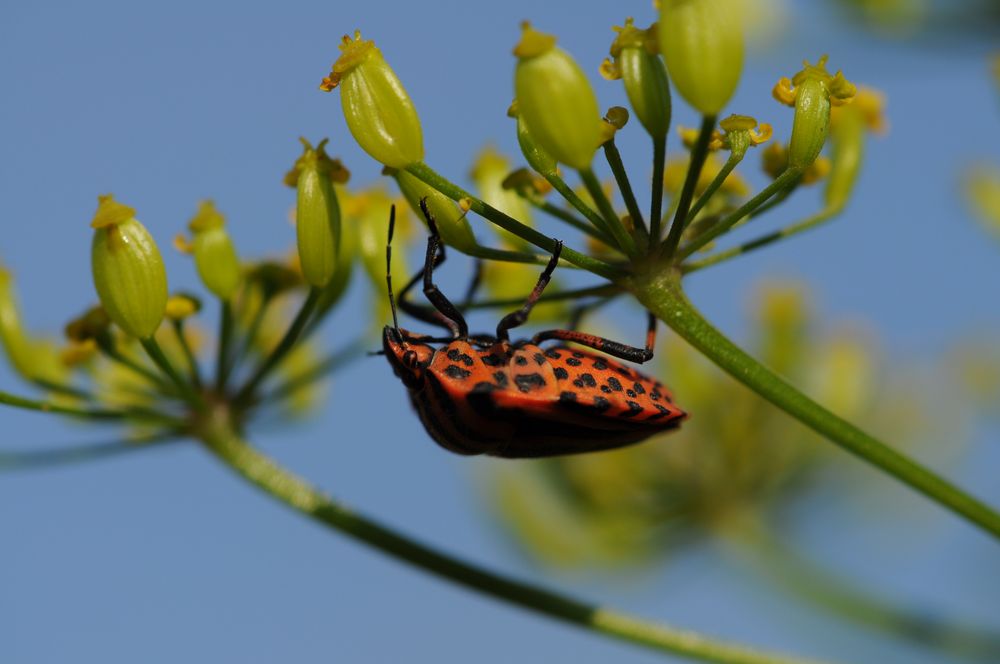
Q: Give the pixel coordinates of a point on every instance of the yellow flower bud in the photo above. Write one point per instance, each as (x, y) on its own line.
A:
(811, 92)
(128, 270)
(847, 140)
(555, 100)
(343, 265)
(181, 306)
(317, 213)
(634, 52)
(702, 45)
(378, 111)
(451, 221)
(214, 255)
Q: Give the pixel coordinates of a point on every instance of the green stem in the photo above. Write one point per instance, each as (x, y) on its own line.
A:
(48, 458)
(192, 361)
(163, 362)
(281, 484)
(727, 168)
(576, 293)
(656, 202)
(762, 241)
(755, 544)
(506, 255)
(253, 330)
(662, 295)
(321, 369)
(47, 407)
(456, 193)
(567, 217)
(698, 155)
(63, 389)
(618, 231)
(785, 179)
(223, 363)
(107, 346)
(614, 158)
(282, 349)
(581, 206)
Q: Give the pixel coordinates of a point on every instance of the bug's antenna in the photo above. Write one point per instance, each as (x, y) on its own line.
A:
(388, 269)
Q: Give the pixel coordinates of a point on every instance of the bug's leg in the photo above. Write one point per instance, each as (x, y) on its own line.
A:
(518, 317)
(449, 312)
(613, 348)
(423, 312)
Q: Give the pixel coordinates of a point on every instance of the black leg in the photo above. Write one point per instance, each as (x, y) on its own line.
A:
(456, 322)
(518, 317)
(613, 348)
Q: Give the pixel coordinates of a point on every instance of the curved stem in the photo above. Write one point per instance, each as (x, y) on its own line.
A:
(656, 201)
(283, 485)
(576, 293)
(426, 174)
(566, 216)
(84, 413)
(662, 295)
(581, 206)
(614, 158)
(727, 168)
(618, 231)
(193, 370)
(163, 362)
(698, 155)
(224, 362)
(49, 458)
(320, 370)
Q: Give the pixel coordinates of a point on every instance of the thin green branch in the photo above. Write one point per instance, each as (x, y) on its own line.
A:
(727, 168)
(576, 293)
(63, 389)
(698, 155)
(622, 238)
(73, 411)
(662, 295)
(193, 370)
(282, 349)
(223, 362)
(788, 177)
(565, 216)
(656, 201)
(250, 337)
(63, 456)
(299, 495)
(581, 206)
(527, 233)
(614, 158)
(762, 241)
(152, 348)
(335, 360)
(107, 346)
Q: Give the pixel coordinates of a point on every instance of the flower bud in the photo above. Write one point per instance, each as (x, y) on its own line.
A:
(635, 61)
(128, 270)
(181, 306)
(214, 255)
(555, 100)
(377, 109)
(702, 45)
(811, 92)
(540, 160)
(451, 222)
(847, 142)
(12, 334)
(317, 213)
(344, 264)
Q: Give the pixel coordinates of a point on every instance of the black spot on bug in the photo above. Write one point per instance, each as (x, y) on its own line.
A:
(520, 360)
(455, 371)
(500, 377)
(553, 353)
(492, 360)
(483, 387)
(567, 397)
(560, 373)
(578, 355)
(630, 393)
(661, 412)
(601, 404)
(588, 380)
(578, 383)
(528, 382)
(633, 409)
(573, 362)
(456, 355)
(615, 384)
(655, 395)
(639, 389)
(624, 372)
(605, 389)
(539, 359)
(600, 364)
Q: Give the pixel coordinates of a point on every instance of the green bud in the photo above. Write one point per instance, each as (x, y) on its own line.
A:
(317, 213)
(12, 334)
(377, 109)
(702, 45)
(128, 271)
(214, 255)
(555, 100)
(811, 92)
(635, 61)
(848, 143)
(451, 221)
(540, 160)
(343, 265)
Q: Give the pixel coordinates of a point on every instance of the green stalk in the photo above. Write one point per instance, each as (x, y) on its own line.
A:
(163, 362)
(614, 158)
(661, 293)
(576, 293)
(782, 181)
(698, 155)
(321, 369)
(567, 217)
(714, 185)
(622, 238)
(189, 357)
(49, 458)
(527, 233)
(763, 241)
(106, 345)
(288, 488)
(223, 362)
(282, 349)
(47, 407)
(581, 206)
(656, 202)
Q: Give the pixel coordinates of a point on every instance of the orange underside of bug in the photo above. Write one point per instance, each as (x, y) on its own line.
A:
(518, 400)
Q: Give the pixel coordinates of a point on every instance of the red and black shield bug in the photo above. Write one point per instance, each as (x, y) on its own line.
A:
(489, 395)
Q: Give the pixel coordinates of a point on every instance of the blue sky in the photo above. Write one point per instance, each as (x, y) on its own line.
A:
(164, 555)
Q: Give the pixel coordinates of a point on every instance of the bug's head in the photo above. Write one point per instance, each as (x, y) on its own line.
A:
(408, 356)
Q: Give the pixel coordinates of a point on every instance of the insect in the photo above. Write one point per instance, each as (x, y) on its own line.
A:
(489, 395)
